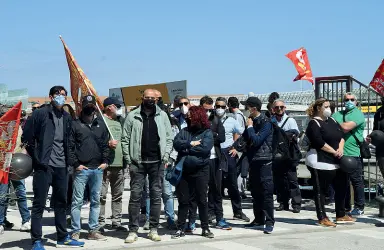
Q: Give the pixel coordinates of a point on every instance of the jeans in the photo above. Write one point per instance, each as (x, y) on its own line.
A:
(43, 178)
(138, 173)
(113, 176)
(19, 187)
(196, 184)
(285, 178)
(261, 184)
(215, 200)
(94, 178)
(231, 182)
(357, 180)
(321, 180)
(167, 200)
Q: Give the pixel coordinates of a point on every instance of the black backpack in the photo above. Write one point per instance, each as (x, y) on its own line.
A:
(281, 144)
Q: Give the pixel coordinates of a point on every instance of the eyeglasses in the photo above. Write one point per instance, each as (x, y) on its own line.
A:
(183, 103)
(220, 107)
(279, 107)
(349, 99)
(149, 98)
(117, 106)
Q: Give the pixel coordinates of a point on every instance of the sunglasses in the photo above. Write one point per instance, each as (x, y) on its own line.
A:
(183, 103)
(351, 99)
(220, 107)
(279, 107)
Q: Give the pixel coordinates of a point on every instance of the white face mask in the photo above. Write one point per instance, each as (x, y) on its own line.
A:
(184, 110)
(327, 112)
(220, 112)
(119, 112)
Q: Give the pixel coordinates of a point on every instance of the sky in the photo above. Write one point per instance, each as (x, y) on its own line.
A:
(218, 46)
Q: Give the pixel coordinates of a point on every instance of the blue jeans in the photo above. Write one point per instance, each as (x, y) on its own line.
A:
(94, 177)
(167, 200)
(21, 195)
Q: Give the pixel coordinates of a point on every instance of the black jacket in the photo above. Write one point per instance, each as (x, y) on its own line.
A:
(88, 145)
(218, 132)
(197, 156)
(38, 135)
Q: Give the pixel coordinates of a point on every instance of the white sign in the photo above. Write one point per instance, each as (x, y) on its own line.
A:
(176, 88)
(116, 92)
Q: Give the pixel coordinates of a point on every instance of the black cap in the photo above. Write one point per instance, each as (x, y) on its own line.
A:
(88, 100)
(112, 101)
(233, 102)
(252, 102)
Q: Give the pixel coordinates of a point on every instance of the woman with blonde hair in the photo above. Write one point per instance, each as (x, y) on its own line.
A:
(325, 151)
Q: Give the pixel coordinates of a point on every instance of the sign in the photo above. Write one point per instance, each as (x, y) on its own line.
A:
(116, 93)
(132, 95)
(369, 109)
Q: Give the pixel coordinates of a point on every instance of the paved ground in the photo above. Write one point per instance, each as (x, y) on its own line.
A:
(292, 231)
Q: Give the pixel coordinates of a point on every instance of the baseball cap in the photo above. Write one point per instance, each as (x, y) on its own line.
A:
(252, 102)
(88, 100)
(233, 102)
(112, 101)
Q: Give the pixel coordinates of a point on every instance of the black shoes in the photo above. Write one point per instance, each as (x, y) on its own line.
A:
(282, 207)
(296, 210)
(178, 234)
(207, 234)
(241, 216)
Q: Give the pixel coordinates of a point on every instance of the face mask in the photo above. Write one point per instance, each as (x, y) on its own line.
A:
(327, 112)
(88, 111)
(220, 112)
(349, 105)
(149, 103)
(160, 102)
(59, 100)
(184, 110)
(119, 112)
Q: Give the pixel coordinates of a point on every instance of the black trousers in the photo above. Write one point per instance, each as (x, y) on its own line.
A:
(42, 179)
(195, 184)
(231, 182)
(215, 200)
(285, 179)
(357, 180)
(138, 173)
(321, 179)
(261, 184)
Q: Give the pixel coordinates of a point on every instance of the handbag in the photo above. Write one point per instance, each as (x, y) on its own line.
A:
(174, 176)
(365, 152)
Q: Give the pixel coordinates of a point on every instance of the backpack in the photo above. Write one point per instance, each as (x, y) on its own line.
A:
(281, 145)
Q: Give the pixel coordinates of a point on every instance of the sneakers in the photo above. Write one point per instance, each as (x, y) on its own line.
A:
(296, 210)
(282, 207)
(68, 242)
(146, 226)
(345, 220)
(207, 234)
(190, 227)
(26, 227)
(1, 229)
(75, 236)
(241, 216)
(153, 235)
(96, 236)
(132, 237)
(268, 229)
(356, 212)
(222, 224)
(178, 234)
(253, 224)
(8, 225)
(37, 245)
(326, 223)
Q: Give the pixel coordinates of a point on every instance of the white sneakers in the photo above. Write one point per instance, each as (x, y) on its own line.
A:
(1, 229)
(26, 227)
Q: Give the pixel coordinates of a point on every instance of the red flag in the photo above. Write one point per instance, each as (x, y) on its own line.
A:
(9, 128)
(79, 81)
(299, 58)
(377, 82)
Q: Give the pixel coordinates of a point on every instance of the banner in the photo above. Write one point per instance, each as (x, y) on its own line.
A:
(116, 93)
(299, 58)
(377, 82)
(79, 81)
(132, 95)
(9, 128)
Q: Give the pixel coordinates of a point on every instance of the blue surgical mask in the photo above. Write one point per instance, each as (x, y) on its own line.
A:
(59, 100)
(350, 105)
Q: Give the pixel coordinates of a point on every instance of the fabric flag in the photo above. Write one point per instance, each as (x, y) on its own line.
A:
(9, 128)
(79, 81)
(299, 58)
(377, 82)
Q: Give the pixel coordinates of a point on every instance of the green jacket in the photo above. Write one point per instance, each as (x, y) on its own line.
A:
(132, 134)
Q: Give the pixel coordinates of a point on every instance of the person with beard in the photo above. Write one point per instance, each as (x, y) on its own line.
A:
(89, 156)
(259, 137)
(147, 143)
(46, 141)
(194, 144)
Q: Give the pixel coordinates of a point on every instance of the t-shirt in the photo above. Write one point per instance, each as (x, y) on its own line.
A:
(116, 155)
(57, 158)
(351, 148)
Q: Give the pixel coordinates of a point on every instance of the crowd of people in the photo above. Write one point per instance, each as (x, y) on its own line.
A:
(218, 146)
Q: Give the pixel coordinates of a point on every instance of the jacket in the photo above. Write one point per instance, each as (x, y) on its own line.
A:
(197, 156)
(259, 139)
(132, 134)
(38, 135)
(88, 145)
(218, 132)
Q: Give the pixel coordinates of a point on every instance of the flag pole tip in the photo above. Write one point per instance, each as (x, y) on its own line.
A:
(60, 36)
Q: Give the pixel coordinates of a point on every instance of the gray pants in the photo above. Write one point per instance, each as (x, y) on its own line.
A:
(113, 176)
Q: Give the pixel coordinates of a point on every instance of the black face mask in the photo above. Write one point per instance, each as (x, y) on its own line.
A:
(149, 103)
(88, 111)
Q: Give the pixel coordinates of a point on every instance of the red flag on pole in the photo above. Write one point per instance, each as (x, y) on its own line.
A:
(79, 81)
(377, 82)
(299, 58)
(9, 128)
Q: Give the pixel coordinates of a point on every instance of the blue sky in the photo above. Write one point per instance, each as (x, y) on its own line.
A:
(219, 46)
